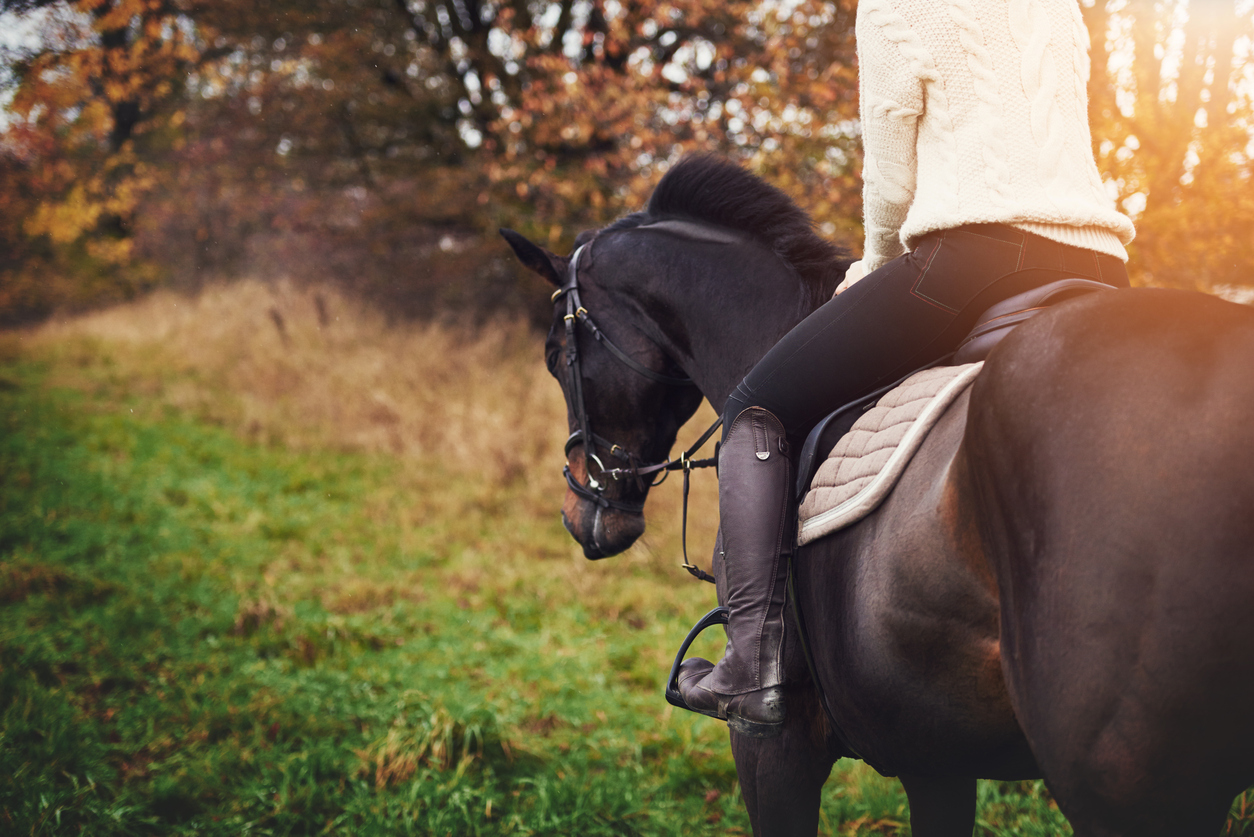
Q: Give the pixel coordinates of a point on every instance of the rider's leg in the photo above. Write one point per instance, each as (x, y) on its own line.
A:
(754, 504)
(755, 478)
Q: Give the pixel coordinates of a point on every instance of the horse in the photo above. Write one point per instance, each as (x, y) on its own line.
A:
(1059, 586)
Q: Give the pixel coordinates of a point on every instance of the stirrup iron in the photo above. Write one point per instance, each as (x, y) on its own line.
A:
(717, 616)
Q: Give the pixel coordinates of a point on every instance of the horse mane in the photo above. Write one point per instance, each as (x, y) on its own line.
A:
(710, 189)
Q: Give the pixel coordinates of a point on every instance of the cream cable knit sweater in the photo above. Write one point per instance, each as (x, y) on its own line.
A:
(975, 112)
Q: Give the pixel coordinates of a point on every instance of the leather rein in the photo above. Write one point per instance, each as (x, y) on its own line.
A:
(594, 491)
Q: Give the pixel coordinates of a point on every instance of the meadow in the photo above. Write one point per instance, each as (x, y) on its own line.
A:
(272, 564)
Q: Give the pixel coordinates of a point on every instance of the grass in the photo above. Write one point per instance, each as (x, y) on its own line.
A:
(237, 596)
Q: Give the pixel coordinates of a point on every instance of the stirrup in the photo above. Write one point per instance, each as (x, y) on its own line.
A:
(717, 616)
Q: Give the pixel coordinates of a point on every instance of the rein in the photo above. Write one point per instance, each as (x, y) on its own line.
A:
(594, 491)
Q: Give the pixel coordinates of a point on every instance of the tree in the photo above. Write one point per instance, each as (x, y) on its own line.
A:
(381, 142)
(1171, 113)
(407, 121)
(85, 120)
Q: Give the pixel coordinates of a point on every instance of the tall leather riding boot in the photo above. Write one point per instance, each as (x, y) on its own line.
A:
(754, 504)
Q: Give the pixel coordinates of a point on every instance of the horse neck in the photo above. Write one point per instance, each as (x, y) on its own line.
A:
(719, 308)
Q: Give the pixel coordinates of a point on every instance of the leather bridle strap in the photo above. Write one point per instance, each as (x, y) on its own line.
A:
(577, 313)
(684, 462)
(573, 307)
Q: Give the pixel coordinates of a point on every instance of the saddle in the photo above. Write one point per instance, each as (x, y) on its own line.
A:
(989, 330)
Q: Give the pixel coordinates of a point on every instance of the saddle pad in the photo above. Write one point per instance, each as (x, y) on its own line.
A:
(865, 464)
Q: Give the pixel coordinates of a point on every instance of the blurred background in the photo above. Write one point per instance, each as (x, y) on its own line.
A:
(280, 464)
(378, 144)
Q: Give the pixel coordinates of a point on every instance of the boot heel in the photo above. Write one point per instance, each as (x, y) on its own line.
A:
(757, 714)
(754, 729)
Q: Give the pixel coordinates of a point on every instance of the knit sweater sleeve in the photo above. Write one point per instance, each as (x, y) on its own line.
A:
(891, 100)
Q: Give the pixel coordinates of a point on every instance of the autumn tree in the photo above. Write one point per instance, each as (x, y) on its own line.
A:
(398, 121)
(86, 118)
(380, 142)
(1170, 105)
(550, 117)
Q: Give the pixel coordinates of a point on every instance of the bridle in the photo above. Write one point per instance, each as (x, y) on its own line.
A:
(594, 491)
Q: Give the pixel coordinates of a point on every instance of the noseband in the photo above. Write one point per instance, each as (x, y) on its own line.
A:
(594, 491)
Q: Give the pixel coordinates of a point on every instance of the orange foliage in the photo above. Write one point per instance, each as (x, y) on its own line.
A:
(74, 153)
(379, 143)
(1170, 106)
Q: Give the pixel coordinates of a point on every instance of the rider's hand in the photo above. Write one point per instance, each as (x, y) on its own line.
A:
(855, 272)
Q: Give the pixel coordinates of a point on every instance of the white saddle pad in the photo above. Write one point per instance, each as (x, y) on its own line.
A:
(867, 461)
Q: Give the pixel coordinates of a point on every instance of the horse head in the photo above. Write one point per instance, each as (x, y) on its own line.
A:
(626, 396)
(698, 285)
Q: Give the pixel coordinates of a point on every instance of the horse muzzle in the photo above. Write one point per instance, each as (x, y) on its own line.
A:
(601, 531)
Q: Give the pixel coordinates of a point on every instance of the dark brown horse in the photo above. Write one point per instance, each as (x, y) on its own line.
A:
(1061, 585)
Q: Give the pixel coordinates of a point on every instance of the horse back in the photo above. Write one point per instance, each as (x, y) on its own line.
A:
(1110, 451)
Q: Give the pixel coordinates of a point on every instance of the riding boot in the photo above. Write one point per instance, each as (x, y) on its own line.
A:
(755, 513)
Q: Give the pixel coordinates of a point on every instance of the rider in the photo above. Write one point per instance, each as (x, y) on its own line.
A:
(979, 184)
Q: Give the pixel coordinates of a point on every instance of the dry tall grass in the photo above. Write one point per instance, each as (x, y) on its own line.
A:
(312, 369)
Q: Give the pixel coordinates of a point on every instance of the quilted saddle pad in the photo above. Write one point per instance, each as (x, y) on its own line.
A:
(867, 461)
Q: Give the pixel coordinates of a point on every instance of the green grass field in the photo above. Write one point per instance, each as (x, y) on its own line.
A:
(208, 630)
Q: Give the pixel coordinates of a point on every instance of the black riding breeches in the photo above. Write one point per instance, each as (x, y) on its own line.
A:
(908, 313)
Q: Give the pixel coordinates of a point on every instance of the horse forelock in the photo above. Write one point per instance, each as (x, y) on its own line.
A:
(711, 190)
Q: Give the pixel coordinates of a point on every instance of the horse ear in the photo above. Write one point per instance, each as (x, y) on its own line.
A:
(536, 258)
